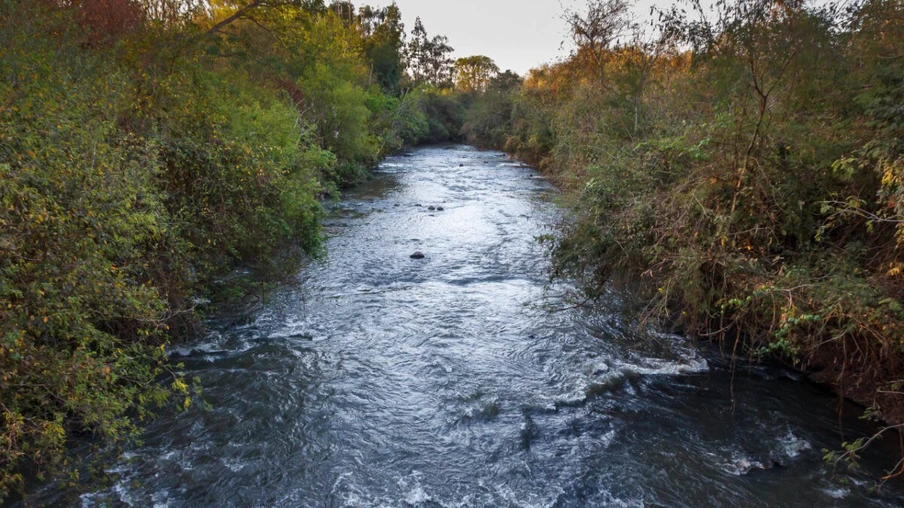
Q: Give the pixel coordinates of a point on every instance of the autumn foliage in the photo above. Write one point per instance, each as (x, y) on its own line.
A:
(143, 158)
(742, 168)
(108, 20)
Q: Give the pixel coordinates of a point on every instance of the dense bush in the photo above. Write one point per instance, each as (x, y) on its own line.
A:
(744, 166)
(87, 249)
(146, 149)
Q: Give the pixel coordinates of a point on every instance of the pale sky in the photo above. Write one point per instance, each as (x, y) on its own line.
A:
(516, 34)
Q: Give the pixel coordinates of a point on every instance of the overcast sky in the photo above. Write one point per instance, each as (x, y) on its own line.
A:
(516, 34)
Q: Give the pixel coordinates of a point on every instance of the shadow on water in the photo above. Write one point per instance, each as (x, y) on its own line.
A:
(380, 380)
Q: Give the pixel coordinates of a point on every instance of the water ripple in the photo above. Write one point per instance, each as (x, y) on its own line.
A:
(387, 381)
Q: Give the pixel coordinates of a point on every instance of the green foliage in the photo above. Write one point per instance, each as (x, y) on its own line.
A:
(752, 184)
(488, 121)
(343, 120)
(444, 113)
(385, 45)
(428, 58)
(474, 73)
(144, 153)
(399, 121)
(85, 236)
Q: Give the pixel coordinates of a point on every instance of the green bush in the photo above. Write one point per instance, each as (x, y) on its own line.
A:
(87, 250)
(751, 184)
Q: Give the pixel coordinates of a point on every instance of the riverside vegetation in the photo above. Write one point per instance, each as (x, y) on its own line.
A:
(741, 168)
(148, 148)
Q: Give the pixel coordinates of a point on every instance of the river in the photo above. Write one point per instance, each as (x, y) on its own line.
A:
(381, 380)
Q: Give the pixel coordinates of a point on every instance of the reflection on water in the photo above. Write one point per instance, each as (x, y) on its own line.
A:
(386, 381)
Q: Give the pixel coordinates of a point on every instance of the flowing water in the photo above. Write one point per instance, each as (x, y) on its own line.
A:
(381, 380)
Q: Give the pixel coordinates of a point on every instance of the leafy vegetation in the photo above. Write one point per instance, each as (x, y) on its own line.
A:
(147, 148)
(744, 164)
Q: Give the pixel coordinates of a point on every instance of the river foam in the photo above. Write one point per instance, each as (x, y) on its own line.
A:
(466, 379)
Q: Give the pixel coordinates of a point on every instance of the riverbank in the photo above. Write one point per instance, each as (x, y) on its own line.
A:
(145, 153)
(743, 171)
(379, 379)
(865, 395)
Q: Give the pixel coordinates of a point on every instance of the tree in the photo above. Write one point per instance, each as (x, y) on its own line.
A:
(230, 11)
(384, 43)
(440, 62)
(597, 31)
(429, 59)
(473, 73)
(346, 11)
(416, 52)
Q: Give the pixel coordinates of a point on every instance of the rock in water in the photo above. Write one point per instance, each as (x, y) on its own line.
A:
(439, 209)
(418, 255)
(431, 208)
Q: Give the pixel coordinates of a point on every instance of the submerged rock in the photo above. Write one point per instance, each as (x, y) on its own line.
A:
(418, 255)
(746, 465)
(529, 432)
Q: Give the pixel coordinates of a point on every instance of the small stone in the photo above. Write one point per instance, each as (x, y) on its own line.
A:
(418, 255)
(461, 165)
(600, 369)
(431, 208)
(396, 204)
(439, 209)
(417, 204)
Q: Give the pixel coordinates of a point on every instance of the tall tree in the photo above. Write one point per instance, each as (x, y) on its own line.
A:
(440, 63)
(384, 44)
(596, 31)
(473, 73)
(429, 59)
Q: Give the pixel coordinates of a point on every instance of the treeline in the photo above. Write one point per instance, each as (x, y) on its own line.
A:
(744, 165)
(147, 148)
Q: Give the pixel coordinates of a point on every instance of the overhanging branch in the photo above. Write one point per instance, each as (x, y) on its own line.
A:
(235, 16)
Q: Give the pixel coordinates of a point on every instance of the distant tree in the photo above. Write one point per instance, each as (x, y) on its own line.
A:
(505, 82)
(345, 10)
(597, 30)
(229, 11)
(489, 120)
(429, 59)
(384, 45)
(473, 73)
(416, 52)
(440, 63)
